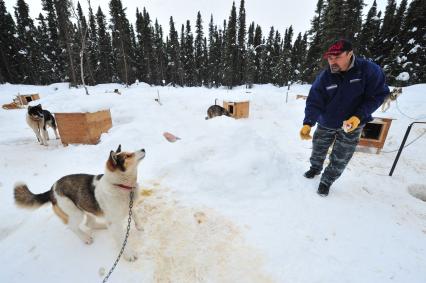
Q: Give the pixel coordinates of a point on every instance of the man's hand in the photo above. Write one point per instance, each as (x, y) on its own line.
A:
(351, 124)
(304, 132)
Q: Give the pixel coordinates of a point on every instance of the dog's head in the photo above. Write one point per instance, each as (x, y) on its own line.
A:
(124, 161)
(35, 112)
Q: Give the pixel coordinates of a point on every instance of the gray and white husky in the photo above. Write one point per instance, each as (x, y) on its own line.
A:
(216, 110)
(81, 198)
(38, 119)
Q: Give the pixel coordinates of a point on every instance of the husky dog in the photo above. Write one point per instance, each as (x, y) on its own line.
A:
(38, 119)
(106, 195)
(216, 110)
(395, 93)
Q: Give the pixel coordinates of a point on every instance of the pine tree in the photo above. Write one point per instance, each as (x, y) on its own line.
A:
(42, 39)
(395, 59)
(241, 41)
(27, 45)
(231, 50)
(188, 58)
(92, 46)
(370, 33)
(104, 71)
(313, 57)
(159, 53)
(56, 69)
(257, 43)
(9, 65)
(199, 35)
(387, 35)
(353, 21)
(66, 36)
(214, 57)
(121, 42)
(334, 16)
(174, 70)
(298, 54)
(415, 46)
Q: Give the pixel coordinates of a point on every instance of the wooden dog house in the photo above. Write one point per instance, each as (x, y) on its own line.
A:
(83, 128)
(375, 132)
(237, 110)
(24, 99)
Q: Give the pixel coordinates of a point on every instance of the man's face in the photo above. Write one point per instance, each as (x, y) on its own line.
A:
(339, 63)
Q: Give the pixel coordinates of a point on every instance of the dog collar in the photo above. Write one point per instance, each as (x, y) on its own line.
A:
(124, 186)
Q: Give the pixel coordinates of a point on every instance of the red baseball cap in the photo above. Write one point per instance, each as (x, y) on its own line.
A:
(338, 47)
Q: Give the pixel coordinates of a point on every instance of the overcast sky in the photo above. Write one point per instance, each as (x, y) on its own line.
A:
(266, 13)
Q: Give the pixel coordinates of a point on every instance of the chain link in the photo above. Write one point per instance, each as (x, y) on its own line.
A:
(129, 221)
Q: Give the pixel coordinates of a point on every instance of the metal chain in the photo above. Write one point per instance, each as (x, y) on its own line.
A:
(129, 221)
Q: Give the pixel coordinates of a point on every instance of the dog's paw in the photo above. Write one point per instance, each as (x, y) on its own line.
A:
(88, 240)
(139, 226)
(130, 256)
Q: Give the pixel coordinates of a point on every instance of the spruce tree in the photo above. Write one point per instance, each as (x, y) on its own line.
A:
(27, 45)
(199, 35)
(231, 50)
(159, 53)
(353, 21)
(121, 41)
(42, 39)
(241, 41)
(313, 57)
(92, 46)
(415, 46)
(370, 33)
(387, 34)
(52, 48)
(104, 71)
(66, 36)
(174, 71)
(257, 43)
(188, 58)
(9, 65)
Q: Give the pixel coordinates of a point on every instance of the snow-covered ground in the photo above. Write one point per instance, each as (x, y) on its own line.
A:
(227, 202)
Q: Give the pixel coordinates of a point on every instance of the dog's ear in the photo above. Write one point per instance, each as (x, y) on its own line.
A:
(118, 149)
(113, 158)
(38, 105)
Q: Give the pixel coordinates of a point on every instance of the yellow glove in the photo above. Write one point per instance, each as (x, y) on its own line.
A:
(304, 132)
(351, 124)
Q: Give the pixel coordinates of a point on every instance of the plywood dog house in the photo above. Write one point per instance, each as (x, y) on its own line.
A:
(375, 132)
(83, 128)
(237, 110)
(24, 99)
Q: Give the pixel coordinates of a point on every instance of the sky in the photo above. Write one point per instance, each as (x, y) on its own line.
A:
(266, 13)
(227, 202)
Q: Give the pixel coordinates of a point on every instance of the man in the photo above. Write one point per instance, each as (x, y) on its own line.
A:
(341, 101)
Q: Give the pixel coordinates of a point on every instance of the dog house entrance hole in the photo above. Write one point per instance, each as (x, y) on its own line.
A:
(28, 98)
(372, 131)
(231, 109)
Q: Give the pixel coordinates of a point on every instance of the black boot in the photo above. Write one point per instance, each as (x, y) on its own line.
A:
(311, 173)
(323, 189)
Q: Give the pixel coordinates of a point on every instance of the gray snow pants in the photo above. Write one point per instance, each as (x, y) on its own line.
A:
(342, 151)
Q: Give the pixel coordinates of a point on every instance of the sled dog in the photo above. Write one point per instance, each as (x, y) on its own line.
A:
(81, 198)
(395, 93)
(38, 119)
(216, 110)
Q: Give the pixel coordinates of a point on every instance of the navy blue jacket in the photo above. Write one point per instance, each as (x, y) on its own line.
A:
(335, 97)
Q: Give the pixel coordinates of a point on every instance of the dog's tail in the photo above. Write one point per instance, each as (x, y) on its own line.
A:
(25, 198)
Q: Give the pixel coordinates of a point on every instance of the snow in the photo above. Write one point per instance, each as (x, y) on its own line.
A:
(404, 76)
(414, 49)
(227, 202)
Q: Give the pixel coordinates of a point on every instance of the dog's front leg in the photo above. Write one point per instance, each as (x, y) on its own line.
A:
(129, 253)
(37, 133)
(45, 136)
